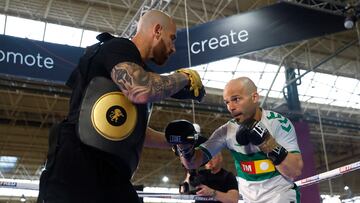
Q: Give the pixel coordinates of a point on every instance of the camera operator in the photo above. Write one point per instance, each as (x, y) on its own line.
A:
(214, 181)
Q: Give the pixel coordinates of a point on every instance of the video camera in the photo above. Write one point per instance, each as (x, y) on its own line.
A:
(195, 179)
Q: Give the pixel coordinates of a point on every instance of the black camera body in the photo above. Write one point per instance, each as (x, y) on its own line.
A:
(195, 180)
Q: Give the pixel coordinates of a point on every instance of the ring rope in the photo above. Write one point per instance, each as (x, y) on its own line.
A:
(34, 185)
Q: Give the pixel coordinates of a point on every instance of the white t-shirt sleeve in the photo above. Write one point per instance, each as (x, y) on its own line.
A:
(286, 136)
(215, 143)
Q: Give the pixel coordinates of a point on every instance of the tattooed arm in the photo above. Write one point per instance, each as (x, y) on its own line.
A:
(141, 86)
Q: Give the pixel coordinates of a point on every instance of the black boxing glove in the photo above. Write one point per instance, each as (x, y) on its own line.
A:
(241, 135)
(198, 142)
(259, 135)
(257, 131)
(181, 132)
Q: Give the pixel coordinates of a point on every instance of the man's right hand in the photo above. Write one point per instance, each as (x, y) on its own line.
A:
(244, 133)
(241, 135)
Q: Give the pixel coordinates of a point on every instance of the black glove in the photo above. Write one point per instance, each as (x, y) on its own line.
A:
(198, 142)
(180, 132)
(187, 93)
(254, 130)
(257, 134)
(244, 131)
(241, 135)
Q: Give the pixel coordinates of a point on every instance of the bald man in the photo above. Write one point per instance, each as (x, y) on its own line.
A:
(95, 151)
(263, 144)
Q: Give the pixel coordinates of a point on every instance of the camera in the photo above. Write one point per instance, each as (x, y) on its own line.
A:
(195, 179)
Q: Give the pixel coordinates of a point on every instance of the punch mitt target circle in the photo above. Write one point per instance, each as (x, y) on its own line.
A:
(114, 116)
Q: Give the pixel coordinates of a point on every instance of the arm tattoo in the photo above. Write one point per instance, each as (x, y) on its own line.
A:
(141, 86)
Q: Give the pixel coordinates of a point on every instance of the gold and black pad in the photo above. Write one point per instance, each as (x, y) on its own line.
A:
(110, 122)
(113, 116)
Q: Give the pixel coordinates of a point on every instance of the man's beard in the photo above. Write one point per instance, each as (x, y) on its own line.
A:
(159, 52)
(245, 115)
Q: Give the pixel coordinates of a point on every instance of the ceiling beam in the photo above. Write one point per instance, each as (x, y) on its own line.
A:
(48, 6)
(7, 5)
(87, 12)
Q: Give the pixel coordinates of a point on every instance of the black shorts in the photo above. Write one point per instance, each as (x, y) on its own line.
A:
(79, 173)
